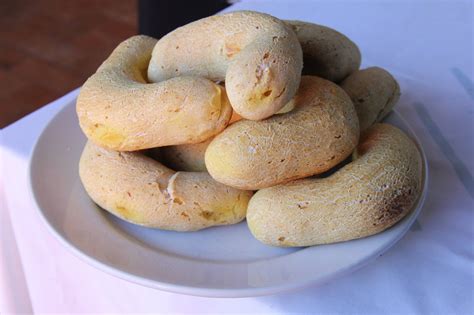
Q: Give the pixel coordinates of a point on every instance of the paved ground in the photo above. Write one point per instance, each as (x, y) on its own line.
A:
(50, 47)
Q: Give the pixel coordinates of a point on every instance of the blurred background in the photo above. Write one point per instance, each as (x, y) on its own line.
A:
(50, 47)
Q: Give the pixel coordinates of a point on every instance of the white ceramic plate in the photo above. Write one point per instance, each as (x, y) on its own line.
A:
(220, 262)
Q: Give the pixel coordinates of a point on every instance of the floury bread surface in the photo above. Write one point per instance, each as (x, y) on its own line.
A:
(363, 198)
(326, 52)
(257, 55)
(374, 92)
(321, 131)
(190, 157)
(119, 110)
(141, 190)
(184, 129)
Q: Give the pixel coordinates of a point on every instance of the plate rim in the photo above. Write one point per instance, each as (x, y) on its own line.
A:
(203, 291)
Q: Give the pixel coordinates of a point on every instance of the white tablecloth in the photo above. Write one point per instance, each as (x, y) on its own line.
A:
(429, 48)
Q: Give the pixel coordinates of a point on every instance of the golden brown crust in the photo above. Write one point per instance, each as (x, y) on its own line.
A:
(321, 131)
(118, 110)
(374, 92)
(363, 198)
(257, 55)
(140, 190)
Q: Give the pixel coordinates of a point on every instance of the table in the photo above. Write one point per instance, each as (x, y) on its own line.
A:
(428, 46)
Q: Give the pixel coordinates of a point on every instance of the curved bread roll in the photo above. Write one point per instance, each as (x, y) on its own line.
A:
(363, 198)
(321, 131)
(140, 190)
(119, 110)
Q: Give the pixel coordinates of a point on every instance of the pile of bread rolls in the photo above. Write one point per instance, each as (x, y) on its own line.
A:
(215, 123)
